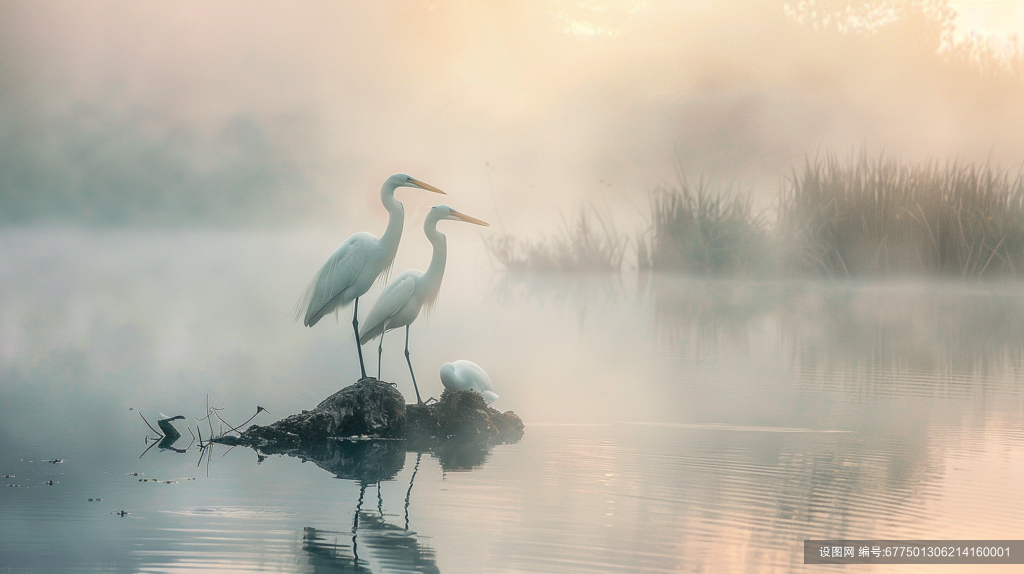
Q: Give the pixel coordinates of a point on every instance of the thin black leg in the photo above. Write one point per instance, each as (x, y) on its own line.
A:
(355, 327)
(380, 349)
(416, 388)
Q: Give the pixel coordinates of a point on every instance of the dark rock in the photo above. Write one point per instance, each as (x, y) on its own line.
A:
(421, 422)
(368, 408)
(171, 434)
(460, 429)
(466, 414)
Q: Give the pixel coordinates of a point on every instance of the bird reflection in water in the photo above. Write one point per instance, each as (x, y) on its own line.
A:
(374, 544)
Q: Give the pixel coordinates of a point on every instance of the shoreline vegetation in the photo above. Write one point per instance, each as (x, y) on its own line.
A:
(866, 217)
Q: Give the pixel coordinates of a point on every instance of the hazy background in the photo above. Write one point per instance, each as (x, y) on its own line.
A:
(173, 173)
(284, 113)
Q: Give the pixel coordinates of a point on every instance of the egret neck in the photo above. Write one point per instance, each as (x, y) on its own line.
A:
(435, 272)
(396, 219)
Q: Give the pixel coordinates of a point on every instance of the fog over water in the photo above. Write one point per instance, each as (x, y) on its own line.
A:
(670, 420)
(173, 173)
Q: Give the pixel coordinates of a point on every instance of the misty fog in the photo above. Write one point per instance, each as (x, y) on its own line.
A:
(275, 113)
(172, 173)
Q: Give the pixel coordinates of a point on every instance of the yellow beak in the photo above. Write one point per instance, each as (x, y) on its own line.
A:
(426, 186)
(469, 219)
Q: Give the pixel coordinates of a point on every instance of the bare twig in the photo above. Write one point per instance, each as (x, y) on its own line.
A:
(150, 426)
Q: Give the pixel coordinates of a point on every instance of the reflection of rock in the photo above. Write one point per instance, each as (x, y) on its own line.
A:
(460, 429)
(461, 452)
(365, 461)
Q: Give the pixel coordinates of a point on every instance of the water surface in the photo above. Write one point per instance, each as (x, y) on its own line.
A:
(673, 423)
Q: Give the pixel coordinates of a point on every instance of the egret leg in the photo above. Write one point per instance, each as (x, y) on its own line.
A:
(355, 327)
(380, 349)
(416, 388)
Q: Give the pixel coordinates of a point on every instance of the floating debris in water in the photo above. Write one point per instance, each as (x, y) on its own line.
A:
(162, 480)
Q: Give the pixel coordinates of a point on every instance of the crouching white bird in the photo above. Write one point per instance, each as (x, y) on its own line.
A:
(353, 267)
(400, 302)
(463, 375)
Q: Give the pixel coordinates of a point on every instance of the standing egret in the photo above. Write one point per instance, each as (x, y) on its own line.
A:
(463, 375)
(355, 265)
(400, 302)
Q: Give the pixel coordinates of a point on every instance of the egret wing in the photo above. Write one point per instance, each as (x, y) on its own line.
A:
(392, 299)
(324, 293)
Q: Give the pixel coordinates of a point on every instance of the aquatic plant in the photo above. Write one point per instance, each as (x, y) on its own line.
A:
(867, 216)
(880, 216)
(696, 230)
(587, 243)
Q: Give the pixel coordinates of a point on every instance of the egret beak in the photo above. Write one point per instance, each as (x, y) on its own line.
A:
(469, 219)
(425, 186)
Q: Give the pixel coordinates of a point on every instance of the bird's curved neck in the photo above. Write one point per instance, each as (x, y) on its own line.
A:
(396, 219)
(437, 261)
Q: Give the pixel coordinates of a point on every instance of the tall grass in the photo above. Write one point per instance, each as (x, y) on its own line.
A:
(588, 242)
(877, 216)
(695, 230)
(868, 216)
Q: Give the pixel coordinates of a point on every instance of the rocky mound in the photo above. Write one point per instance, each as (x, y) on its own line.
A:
(375, 409)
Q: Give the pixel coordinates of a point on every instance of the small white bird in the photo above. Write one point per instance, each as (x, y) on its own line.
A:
(353, 267)
(463, 375)
(400, 302)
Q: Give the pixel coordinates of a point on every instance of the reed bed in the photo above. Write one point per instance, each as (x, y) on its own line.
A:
(697, 231)
(588, 242)
(865, 217)
(878, 216)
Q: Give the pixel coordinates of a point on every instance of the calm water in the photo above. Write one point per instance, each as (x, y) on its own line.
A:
(673, 424)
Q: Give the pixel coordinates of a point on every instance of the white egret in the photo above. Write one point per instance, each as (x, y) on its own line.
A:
(463, 375)
(353, 267)
(400, 302)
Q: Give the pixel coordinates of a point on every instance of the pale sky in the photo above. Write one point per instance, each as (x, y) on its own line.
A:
(990, 16)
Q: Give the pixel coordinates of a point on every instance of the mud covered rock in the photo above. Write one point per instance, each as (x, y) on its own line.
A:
(466, 414)
(368, 408)
(460, 429)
